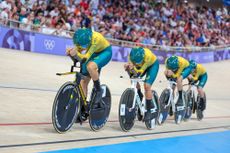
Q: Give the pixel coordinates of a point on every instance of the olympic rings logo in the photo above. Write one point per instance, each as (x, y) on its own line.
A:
(49, 44)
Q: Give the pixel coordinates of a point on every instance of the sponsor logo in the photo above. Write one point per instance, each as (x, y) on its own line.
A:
(160, 58)
(49, 44)
(69, 87)
(207, 57)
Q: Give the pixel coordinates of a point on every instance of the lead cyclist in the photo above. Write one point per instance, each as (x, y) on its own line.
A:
(94, 52)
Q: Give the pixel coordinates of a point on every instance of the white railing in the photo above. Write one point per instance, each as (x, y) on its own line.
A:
(65, 33)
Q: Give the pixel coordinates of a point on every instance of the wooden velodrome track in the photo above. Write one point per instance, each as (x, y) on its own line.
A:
(28, 85)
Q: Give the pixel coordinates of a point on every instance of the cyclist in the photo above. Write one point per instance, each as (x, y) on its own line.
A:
(143, 62)
(98, 53)
(199, 74)
(177, 68)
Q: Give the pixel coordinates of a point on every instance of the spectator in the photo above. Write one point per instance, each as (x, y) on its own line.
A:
(144, 21)
(85, 21)
(4, 16)
(6, 4)
(54, 12)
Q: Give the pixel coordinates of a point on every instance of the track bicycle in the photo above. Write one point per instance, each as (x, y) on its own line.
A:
(193, 101)
(70, 104)
(168, 104)
(131, 106)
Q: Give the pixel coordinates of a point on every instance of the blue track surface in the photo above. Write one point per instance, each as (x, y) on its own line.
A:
(218, 142)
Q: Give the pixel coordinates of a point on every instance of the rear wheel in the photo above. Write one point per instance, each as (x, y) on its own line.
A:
(180, 110)
(199, 113)
(152, 123)
(189, 105)
(99, 116)
(164, 109)
(126, 113)
(65, 107)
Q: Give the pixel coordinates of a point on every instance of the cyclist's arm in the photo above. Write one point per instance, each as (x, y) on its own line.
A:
(142, 69)
(178, 73)
(88, 54)
(95, 45)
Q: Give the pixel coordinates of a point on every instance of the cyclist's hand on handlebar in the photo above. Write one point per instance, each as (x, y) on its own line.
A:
(67, 51)
(128, 66)
(169, 72)
(71, 51)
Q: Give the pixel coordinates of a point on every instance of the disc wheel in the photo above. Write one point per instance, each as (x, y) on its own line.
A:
(126, 113)
(164, 110)
(65, 107)
(99, 116)
(152, 123)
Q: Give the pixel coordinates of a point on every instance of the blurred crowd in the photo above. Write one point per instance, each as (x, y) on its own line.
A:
(142, 21)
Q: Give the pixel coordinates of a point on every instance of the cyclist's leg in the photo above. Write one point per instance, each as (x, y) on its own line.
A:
(85, 82)
(139, 91)
(94, 66)
(151, 74)
(190, 78)
(185, 73)
(202, 82)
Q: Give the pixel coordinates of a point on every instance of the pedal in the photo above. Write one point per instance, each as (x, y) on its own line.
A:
(84, 116)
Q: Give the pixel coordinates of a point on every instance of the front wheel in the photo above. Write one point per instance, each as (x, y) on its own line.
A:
(99, 116)
(155, 112)
(126, 113)
(65, 107)
(164, 106)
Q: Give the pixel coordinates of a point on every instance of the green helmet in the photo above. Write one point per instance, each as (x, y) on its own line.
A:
(172, 63)
(82, 37)
(137, 55)
(193, 64)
